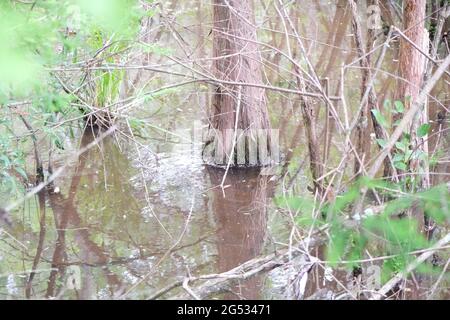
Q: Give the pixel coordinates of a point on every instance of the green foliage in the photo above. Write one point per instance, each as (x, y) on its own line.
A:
(382, 142)
(32, 33)
(380, 118)
(114, 16)
(12, 163)
(392, 266)
(40, 36)
(405, 151)
(108, 82)
(423, 130)
(156, 49)
(138, 127)
(26, 46)
(297, 204)
(399, 106)
(400, 235)
(387, 233)
(403, 154)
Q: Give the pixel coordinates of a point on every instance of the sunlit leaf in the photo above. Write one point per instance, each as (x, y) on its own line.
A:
(401, 166)
(399, 106)
(380, 118)
(382, 142)
(423, 130)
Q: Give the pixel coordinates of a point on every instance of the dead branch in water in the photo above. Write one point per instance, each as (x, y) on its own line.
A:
(222, 282)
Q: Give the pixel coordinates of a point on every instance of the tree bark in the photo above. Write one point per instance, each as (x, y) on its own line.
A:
(411, 61)
(412, 65)
(237, 59)
(362, 130)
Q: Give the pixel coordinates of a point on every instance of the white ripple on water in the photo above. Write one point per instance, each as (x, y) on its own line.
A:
(174, 179)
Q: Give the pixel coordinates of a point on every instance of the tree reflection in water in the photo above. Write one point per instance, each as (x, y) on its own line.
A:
(241, 213)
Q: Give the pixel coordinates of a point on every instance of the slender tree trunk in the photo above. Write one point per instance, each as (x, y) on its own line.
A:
(363, 129)
(387, 14)
(340, 25)
(237, 59)
(412, 65)
(411, 61)
(362, 136)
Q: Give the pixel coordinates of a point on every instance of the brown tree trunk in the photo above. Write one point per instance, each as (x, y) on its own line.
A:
(237, 60)
(370, 102)
(411, 78)
(362, 130)
(335, 36)
(387, 14)
(412, 62)
(341, 28)
(412, 65)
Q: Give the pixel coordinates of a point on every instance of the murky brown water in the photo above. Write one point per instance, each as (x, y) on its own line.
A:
(113, 219)
(111, 227)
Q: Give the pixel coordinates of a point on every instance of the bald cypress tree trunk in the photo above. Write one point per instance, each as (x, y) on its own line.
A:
(237, 103)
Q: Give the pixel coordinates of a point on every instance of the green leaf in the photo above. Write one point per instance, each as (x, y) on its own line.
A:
(398, 157)
(382, 142)
(118, 16)
(396, 123)
(401, 146)
(402, 233)
(399, 106)
(336, 246)
(22, 172)
(342, 201)
(423, 130)
(5, 160)
(400, 166)
(302, 204)
(409, 155)
(391, 267)
(380, 118)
